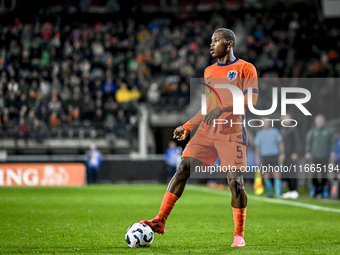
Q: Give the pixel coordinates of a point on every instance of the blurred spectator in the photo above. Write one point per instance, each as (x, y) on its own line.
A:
(135, 94)
(320, 142)
(30, 119)
(337, 160)
(109, 88)
(123, 94)
(22, 131)
(93, 160)
(172, 158)
(54, 121)
(39, 130)
(270, 153)
(109, 125)
(153, 94)
(291, 143)
(57, 64)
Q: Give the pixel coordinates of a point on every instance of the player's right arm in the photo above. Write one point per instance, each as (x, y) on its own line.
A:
(182, 132)
(194, 122)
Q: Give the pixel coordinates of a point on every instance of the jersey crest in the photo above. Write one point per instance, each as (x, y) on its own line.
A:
(232, 75)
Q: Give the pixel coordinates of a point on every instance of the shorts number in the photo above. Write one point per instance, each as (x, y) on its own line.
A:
(239, 149)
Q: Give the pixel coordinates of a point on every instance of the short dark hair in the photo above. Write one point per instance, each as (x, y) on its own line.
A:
(228, 34)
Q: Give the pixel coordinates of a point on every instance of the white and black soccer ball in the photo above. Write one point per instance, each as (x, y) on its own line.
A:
(139, 235)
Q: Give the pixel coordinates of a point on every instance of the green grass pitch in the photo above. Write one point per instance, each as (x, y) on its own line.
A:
(93, 220)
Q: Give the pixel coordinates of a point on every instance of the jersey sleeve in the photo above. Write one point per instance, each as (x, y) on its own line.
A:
(250, 79)
(194, 122)
(197, 119)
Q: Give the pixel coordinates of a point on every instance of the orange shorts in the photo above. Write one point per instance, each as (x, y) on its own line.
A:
(207, 150)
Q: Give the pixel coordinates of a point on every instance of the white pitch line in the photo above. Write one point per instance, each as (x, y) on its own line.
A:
(268, 200)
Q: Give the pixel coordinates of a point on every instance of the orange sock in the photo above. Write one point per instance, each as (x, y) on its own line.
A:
(168, 203)
(239, 215)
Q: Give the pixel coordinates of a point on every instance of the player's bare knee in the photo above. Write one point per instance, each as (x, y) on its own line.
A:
(236, 186)
(183, 171)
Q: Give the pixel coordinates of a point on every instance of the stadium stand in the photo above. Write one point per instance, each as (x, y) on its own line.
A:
(67, 74)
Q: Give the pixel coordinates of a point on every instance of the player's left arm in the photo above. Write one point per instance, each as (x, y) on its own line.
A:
(250, 81)
(228, 107)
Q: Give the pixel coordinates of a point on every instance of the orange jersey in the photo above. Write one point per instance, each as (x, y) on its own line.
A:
(238, 73)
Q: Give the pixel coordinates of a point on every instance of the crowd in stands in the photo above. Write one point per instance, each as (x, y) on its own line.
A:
(55, 77)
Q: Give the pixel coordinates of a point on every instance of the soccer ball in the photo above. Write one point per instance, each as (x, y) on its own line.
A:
(139, 235)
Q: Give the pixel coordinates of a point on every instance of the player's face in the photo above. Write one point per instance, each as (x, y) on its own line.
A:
(219, 45)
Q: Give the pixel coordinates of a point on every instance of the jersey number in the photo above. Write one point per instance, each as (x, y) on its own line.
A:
(239, 150)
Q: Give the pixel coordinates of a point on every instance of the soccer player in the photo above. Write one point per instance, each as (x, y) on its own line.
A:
(210, 140)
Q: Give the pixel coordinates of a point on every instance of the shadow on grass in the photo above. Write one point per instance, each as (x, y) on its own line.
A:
(121, 249)
(258, 248)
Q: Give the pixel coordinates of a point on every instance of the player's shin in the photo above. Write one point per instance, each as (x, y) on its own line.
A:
(239, 204)
(167, 205)
(239, 215)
